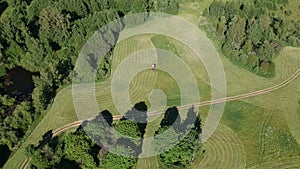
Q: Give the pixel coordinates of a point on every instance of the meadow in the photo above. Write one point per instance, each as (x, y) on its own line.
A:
(258, 132)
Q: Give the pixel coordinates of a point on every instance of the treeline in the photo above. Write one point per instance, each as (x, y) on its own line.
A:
(97, 145)
(45, 37)
(250, 33)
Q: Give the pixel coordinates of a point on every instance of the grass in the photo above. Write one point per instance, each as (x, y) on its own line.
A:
(293, 6)
(291, 162)
(223, 150)
(62, 111)
(246, 128)
(263, 132)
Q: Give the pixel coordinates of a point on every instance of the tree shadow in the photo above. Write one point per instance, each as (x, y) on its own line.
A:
(189, 122)
(171, 118)
(66, 163)
(100, 129)
(139, 114)
(105, 115)
(46, 138)
(5, 153)
(126, 142)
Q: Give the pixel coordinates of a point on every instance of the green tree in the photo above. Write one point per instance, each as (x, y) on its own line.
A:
(180, 149)
(5, 102)
(115, 160)
(42, 93)
(53, 24)
(236, 33)
(255, 33)
(77, 146)
(22, 117)
(35, 7)
(40, 160)
(266, 51)
(165, 138)
(128, 129)
(167, 6)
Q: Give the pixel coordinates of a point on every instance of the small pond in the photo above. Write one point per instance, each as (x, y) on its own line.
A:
(18, 83)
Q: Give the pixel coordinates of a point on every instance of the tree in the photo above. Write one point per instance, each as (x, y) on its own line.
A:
(22, 117)
(165, 138)
(168, 6)
(215, 8)
(266, 51)
(35, 7)
(115, 160)
(77, 146)
(76, 8)
(40, 160)
(221, 28)
(171, 118)
(236, 33)
(42, 93)
(53, 24)
(128, 129)
(5, 102)
(139, 114)
(29, 150)
(180, 149)
(100, 130)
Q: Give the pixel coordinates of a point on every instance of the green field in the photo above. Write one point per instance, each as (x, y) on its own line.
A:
(263, 131)
(233, 127)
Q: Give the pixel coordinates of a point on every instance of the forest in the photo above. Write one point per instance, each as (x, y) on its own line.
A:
(43, 38)
(96, 144)
(251, 33)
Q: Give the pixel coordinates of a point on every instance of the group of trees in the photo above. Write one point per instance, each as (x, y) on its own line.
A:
(15, 126)
(46, 37)
(72, 150)
(179, 142)
(250, 33)
(104, 143)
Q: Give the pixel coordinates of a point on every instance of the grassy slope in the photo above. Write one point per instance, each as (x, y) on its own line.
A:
(284, 121)
(62, 111)
(264, 132)
(239, 81)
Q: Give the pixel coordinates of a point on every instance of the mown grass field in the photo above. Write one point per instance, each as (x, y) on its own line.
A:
(258, 132)
(62, 111)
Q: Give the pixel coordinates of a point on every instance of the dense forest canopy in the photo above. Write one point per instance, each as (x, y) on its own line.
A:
(251, 33)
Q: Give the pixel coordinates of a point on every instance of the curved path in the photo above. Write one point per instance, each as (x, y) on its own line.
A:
(183, 107)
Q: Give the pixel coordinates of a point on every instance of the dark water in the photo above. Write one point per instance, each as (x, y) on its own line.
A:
(4, 154)
(19, 84)
(3, 6)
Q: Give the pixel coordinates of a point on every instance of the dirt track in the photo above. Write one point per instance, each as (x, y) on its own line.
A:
(200, 104)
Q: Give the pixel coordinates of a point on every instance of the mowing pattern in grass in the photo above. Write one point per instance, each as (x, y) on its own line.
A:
(283, 163)
(147, 163)
(223, 150)
(238, 81)
(263, 132)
